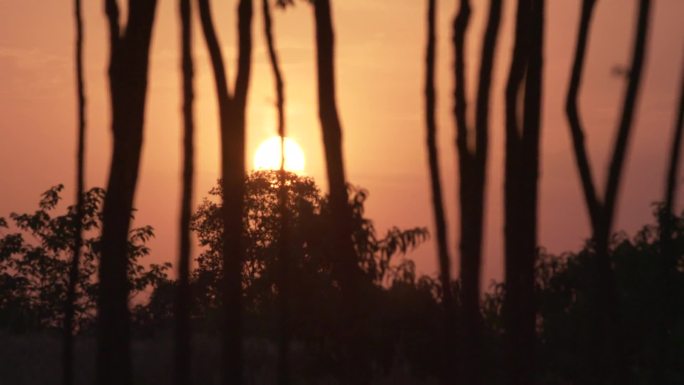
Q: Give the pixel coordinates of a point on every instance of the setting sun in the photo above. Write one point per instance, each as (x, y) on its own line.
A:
(267, 155)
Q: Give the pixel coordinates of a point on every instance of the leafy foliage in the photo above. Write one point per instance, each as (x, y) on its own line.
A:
(35, 252)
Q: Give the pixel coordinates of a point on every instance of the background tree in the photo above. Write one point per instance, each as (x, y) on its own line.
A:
(36, 264)
(68, 355)
(602, 210)
(128, 65)
(472, 166)
(232, 124)
(183, 354)
(521, 189)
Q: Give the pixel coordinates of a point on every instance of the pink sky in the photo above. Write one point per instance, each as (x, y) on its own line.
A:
(380, 49)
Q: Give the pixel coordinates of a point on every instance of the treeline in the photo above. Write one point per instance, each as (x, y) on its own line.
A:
(471, 327)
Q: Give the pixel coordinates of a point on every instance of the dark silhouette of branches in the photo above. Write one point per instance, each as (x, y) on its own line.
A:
(436, 188)
(602, 209)
(183, 354)
(232, 122)
(129, 60)
(674, 162)
(283, 246)
(472, 166)
(68, 355)
(521, 189)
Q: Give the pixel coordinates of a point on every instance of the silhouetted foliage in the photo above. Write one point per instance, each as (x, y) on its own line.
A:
(35, 264)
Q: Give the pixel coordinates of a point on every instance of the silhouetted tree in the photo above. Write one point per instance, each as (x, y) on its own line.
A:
(669, 300)
(183, 333)
(348, 272)
(284, 276)
(521, 189)
(472, 166)
(128, 65)
(444, 259)
(68, 355)
(602, 209)
(232, 122)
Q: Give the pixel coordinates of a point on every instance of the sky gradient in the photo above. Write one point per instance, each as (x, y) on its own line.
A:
(380, 75)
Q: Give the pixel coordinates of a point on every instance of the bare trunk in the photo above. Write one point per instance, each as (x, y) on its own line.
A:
(472, 166)
(68, 355)
(232, 122)
(608, 362)
(521, 190)
(437, 200)
(283, 244)
(183, 354)
(128, 86)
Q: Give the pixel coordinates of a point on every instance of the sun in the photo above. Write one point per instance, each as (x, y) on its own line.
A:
(267, 155)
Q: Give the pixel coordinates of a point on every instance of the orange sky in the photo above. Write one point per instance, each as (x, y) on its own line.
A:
(380, 49)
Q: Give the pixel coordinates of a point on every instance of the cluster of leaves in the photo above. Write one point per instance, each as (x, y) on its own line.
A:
(35, 255)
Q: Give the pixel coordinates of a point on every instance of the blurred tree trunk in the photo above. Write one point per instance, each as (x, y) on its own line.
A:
(521, 189)
(283, 242)
(345, 261)
(232, 121)
(68, 355)
(444, 261)
(608, 364)
(183, 354)
(664, 359)
(128, 69)
(472, 167)
(349, 271)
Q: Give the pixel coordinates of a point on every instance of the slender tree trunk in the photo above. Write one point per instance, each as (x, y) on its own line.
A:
(472, 166)
(183, 354)
(608, 360)
(521, 189)
(232, 121)
(664, 359)
(128, 69)
(437, 200)
(68, 355)
(283, 244)
(345, 261)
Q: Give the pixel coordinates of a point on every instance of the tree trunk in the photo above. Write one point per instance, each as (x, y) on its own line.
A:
(521, 190)
(449, 346)
(608, 360)
(128, 70)
(68, 355)
(232, 123)
(183, 354)
(283, 242)
(472, 166)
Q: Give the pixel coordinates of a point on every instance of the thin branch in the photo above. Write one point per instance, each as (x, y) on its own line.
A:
(617, 163)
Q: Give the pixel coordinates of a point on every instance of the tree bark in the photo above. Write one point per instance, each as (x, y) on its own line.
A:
(183, 354)
(68, 354)
(521, 190)
(128, 70)
(232, 121)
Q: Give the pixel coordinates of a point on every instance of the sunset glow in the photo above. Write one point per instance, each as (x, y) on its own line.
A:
(267, 155)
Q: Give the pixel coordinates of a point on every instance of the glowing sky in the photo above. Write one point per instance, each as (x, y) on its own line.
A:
(380, 78)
